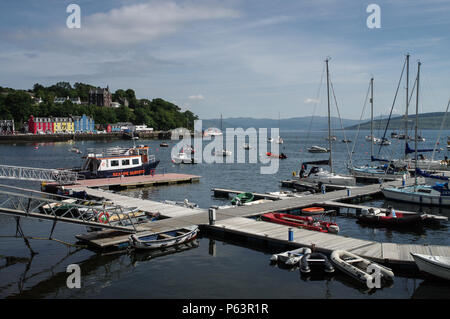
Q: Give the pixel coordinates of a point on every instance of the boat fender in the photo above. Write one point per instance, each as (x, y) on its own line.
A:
(334, 229)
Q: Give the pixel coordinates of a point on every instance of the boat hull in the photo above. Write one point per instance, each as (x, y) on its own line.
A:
(404, 195)
(145, 169)
(155, 242)
(435, 265)
(398, 221)
(374, 172)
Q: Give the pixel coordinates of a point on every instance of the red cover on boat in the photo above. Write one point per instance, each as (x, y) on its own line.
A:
(298, 221)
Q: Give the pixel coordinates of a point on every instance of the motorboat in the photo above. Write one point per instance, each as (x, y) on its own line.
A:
(318, 149)
(223, 153)
(164, 144)
(437, 195)
(116, 162)
(379, 218)
(358, 267)
(280, 156)
(319, 175)
(438, 266)
(331, 138)
(164, 239)
(291, 257)
(212, 131)
(183, 158)
(308, 222)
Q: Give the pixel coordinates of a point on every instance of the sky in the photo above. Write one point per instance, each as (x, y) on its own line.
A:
(238, 58)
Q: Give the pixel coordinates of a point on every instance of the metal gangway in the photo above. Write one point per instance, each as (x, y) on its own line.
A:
(22, 202)
(61, 176)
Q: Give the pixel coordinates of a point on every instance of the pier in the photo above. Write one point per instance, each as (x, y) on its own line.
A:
(234, 221)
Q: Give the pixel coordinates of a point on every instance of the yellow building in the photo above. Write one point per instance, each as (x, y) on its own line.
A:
(63, 125)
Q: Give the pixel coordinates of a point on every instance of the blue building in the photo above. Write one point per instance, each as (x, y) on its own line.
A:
(83, 124)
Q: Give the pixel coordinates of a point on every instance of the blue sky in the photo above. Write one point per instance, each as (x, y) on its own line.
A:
(239, 58)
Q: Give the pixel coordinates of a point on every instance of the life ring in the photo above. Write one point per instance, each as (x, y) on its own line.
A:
(103, 217)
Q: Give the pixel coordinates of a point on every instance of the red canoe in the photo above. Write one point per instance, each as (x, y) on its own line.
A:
(301, 221)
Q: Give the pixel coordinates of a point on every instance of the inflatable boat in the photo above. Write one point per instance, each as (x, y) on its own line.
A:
(306, 222)
(291, 257)
(315, 260)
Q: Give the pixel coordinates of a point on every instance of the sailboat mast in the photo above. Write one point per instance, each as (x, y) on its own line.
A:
(407, 102)
(371, 118)
(329, 121)
(417, 119)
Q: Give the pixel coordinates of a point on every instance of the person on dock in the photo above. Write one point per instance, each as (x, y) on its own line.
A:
(391, 212)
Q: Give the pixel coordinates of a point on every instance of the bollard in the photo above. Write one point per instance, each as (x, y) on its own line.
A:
(290, 234)
(349, 192)
(212, 216)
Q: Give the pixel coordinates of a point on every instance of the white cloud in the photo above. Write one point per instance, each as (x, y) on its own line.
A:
(141, 23)
(197, 97)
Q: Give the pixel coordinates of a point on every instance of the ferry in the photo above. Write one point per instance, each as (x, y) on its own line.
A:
(117, 161)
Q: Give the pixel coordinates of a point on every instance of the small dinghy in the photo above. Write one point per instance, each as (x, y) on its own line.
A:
(357, 267)
(163, 144)
(242, 199)
(314, 261)
(376, 217)
(301, 221)
(291, 257)
(163, 239)
(438, 266)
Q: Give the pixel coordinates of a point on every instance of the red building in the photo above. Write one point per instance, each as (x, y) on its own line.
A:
(40, 124)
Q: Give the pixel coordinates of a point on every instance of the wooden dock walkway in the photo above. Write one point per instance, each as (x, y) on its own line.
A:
(386, 253)
(233, 221)
(130, 181)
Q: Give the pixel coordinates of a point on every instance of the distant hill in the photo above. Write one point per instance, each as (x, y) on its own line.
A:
(296, 123)
(427, 121)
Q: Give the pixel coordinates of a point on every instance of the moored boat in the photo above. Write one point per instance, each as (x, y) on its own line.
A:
(116, 162)
(291, 257)
(438, 266)
(318, 149)
(183, 158)
(358, 267)
(302, 222)
(163, 239)
(242, 198)
(280, 156)
(387, 219)
(314, 261)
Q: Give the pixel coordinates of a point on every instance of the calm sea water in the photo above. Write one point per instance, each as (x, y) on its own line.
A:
(211, 268)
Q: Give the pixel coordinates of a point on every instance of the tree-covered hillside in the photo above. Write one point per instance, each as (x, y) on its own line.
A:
(156, 113)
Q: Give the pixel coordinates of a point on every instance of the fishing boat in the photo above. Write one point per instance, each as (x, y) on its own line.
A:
(116, 162)
(438, 266)
(315, 261)
(357, 267)
(242, 198)
(308, 222)
(280, 156)
(318, 149)
(377, 217)
(318, 175)
(163, 239)
(291, 257)
(183, 158)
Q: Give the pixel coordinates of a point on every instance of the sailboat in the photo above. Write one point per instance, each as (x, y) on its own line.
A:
(318, 174)
(385, 171)
(420, 162)
(279, 140)
(222, 152)
(438, 195)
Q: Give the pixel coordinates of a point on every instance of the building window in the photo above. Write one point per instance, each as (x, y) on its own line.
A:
(125, 162)
(115, 163)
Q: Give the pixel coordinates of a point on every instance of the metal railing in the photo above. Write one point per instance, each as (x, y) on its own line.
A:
(38, 174)
(21, 202)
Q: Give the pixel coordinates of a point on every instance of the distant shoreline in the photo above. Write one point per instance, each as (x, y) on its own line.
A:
(27, 138)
